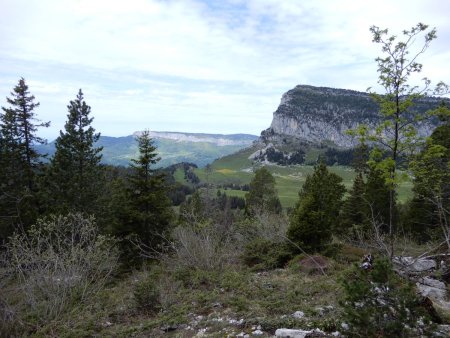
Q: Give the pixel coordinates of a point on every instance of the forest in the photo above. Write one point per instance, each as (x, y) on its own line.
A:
(90, 250)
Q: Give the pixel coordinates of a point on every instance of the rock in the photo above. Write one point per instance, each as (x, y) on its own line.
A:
(442, 331)
(298, 314)
(297, 333)
(316, 114)
(432, 288)
(168, 328)
(345, 326)
(432, 282)
(321, 311)
(257, 333)
(291, 333)
(242, 335)
(412, 265)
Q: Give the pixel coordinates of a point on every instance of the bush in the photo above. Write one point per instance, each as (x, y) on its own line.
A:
(378, 303)
(146, 295)
(59, 262)
(155, 290)
(263, 254)
(210, 248)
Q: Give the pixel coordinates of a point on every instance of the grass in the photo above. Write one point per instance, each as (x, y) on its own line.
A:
(238, 169)
(225, 302)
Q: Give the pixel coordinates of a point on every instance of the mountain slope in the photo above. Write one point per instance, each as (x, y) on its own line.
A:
(172, 147)
(320, 114)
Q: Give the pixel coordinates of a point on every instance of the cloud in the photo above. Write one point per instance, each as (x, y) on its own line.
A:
(191, 64)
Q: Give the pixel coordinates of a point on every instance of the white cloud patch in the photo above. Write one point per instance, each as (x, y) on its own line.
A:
(191, 65)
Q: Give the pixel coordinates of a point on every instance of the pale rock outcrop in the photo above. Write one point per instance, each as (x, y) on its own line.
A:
(318, 114)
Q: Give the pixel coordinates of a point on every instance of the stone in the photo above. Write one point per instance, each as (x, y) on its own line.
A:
(291, 333)
(431, 288)
(257, 333)
(298, 314)
(432, 282)
(411, 264)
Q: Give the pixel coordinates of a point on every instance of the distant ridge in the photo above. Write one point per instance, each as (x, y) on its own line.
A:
(173, 147)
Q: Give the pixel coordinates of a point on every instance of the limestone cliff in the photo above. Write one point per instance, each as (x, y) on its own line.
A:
(320, 114)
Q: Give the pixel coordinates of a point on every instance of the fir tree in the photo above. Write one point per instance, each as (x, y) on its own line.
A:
(317, 212)
(75, 174)
(355, 211)
(262, 195)
(431, 170)
(149, 207)
(20, 163)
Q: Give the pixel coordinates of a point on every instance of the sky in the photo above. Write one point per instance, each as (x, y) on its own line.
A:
(213, 66)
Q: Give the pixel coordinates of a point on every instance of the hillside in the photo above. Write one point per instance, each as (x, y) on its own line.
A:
(173, 147)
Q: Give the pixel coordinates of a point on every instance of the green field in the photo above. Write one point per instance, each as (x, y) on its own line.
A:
(238, 169)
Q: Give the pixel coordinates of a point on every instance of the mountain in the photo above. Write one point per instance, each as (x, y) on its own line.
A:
(172, 147)
(321, 114)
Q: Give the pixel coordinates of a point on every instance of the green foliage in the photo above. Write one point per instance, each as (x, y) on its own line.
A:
(75, 176)
(316, 215)
(396, 133)
(431, 169)
(59, 263)
(263, 254)
(20, 163)
(378, 303)
(147, 211)
(262, 194)
(354, 209)
(147, 294)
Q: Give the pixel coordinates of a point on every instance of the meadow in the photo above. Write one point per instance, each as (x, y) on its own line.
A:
(238, 169)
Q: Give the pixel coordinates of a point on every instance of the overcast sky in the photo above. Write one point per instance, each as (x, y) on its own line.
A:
(198, 66)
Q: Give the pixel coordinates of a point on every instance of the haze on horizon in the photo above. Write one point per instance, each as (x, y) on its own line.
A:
(198, 66)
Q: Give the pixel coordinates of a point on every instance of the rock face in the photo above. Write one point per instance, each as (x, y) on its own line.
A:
(318, 114)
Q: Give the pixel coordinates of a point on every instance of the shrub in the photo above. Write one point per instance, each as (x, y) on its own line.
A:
(210, 248)
(59, 262)
(146, 295)
(378, 303)
(263, 254)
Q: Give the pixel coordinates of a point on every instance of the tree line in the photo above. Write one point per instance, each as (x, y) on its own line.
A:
(125, 202)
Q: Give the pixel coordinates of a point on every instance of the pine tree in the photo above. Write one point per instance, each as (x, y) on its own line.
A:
(19, 161)
(262, 195)
(377, 198)
(149, 207)
(75, 173)
(431, 170)
(317, 212)
(354, 217)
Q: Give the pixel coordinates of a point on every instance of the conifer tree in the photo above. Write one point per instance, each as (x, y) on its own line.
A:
(75, 174)
(19, 161)
(354, 215)
(431, 170)
(262, 195)
(149, 207)
(317, 212)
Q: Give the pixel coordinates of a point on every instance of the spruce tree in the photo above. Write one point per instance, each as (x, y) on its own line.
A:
(317, 212)
(354, 217)
(149, 207)
(20, 163)
(262, 195)
(431, 169)
(75, 173)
